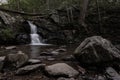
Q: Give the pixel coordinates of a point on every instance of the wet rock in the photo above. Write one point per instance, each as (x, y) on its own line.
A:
(2, 58)
(60, 50)
(61, 69)
(42, 57)
(55, 53)
(69, 58)
(34, 61)
(16, 60)
(50, 58)
(10, 47)
(96, 49)
(112, 74)
(81, 69)
(28, 69)
(101, 78)
(23, 38)
(62, 78)
(46, 54)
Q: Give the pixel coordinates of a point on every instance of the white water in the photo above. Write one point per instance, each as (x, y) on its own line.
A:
(35, 38)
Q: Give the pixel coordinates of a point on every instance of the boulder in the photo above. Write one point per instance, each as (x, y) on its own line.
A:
(61, 69)
(16, 60)
(28, 69)
(96, 49)
(112, 74)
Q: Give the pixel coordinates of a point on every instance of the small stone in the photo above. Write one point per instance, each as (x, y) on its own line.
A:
(61, 50)
(10, 47)
(101, 78)
(69, 58)
(34, 61)
(50, 58)
(60, 69)
(28, 69)
(2, 58)
(55, 53)
(62, 78)
(46, 54)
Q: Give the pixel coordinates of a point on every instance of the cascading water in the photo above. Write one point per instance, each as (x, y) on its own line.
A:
(35, 38)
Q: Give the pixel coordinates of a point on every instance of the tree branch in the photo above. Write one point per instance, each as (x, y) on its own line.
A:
(21, 13)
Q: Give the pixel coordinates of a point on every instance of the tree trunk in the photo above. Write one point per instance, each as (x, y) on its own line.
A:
(83, 14)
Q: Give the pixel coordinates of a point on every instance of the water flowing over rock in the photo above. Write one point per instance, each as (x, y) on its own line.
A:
(61, 69)
(34, 36)
(96, 49)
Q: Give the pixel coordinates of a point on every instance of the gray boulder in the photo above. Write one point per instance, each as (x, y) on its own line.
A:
(96, 49)
(16, 60)
(28, 69)
(112, 74)
(61, 69)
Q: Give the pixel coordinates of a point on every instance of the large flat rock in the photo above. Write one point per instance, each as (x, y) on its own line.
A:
(28, 69)
(61, 69)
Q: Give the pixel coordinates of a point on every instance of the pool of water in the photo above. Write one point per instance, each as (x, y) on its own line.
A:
(34, 51)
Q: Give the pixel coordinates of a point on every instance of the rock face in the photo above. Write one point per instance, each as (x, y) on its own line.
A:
(16, 60)
(7, 18)
(96, 49)
(61, 69)
(27, 69)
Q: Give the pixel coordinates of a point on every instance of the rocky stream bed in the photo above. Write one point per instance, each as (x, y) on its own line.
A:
(95, 59)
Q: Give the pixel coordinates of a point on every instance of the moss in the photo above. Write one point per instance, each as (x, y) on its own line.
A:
(6, 34)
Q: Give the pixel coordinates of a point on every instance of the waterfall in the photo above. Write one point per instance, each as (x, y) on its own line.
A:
(35, 38)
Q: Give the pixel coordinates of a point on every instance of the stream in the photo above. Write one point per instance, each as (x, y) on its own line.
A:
(35, 51)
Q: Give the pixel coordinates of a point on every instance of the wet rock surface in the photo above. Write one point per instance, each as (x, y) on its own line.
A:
(60, 69)
(28, 69)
